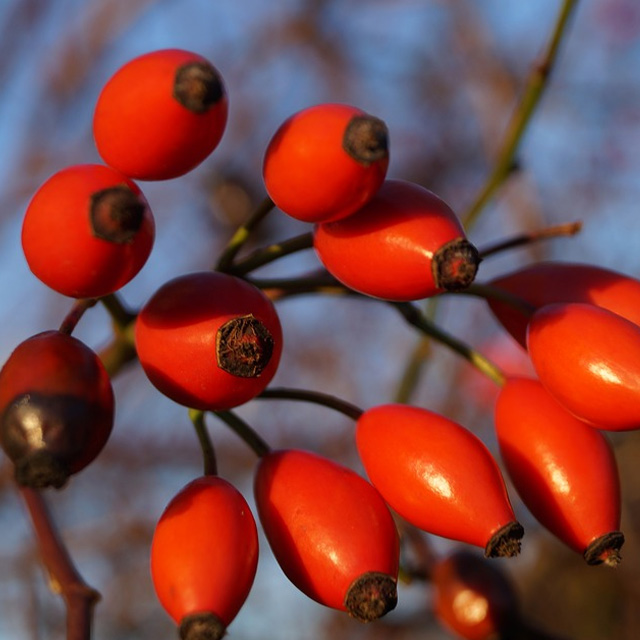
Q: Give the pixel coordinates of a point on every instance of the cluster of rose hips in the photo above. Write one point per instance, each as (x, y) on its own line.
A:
(212, 341)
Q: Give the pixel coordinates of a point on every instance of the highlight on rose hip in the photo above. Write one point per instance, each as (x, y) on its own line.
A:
(423, 500)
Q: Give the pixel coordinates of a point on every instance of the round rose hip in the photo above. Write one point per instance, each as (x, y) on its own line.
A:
(87, 231)
(325, 162)
(160, 115)
(208, 340)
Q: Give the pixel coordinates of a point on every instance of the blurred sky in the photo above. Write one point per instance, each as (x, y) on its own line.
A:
(443, 75)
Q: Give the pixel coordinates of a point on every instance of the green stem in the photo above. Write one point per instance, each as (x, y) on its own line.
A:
(76, 312)
(413, 370)
(242, 234)
(118, 353)
(120, 315)
(316, 397)
(246, 432)
(208, 452)
(537, 82)
(413, 316)
(271, 253)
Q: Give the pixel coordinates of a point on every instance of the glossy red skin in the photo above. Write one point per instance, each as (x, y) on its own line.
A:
(385, 249)
(60, 246)
(549, 282)
(204, 552)
(308, 173)
(473, 597)
(143, 131)
(433, 472)
(588, 359)
(326, 525)
(563, 469)
(57, 364)
(175, 339)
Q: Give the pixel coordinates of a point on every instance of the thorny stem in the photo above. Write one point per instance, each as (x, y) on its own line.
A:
(316, 397)
(413, 316)
(208, 453)
(567, 229)
(246, 432)
(76, 312)
(242, 234)
(271, 253)
(536, 84)
(79, 597)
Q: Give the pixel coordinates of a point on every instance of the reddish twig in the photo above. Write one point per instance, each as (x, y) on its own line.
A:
(567, 229)
(75, 313)
(79, 597)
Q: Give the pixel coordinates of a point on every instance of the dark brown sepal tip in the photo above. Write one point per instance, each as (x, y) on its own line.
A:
(244, 346)
(116, 214)
(455, 265)
(41, 469)
(197, 86)
(605, 549)
(366, 139)
(371, 596)
(202, 626)
(505, 542)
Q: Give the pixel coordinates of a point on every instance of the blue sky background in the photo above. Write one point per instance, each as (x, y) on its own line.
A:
(444, 76)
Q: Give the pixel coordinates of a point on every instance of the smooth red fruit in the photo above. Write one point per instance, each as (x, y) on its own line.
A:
(330, 531)
(438, 476)
(563, 469)
(208, 340)
(56, 408)
(325, 162)
(473, 597)
(404, 244)
(87, 231)
(204, 556)
(545, 283)
(160, 115)
(588, 358)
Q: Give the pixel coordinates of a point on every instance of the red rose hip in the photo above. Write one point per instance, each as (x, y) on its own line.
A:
(325, 162)
(438, 476)
(56, 408)
(330, 531)
(208, 340)
(87, 231)
(404, 244)
(563, 469)
(160, 115)
(204, 557)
